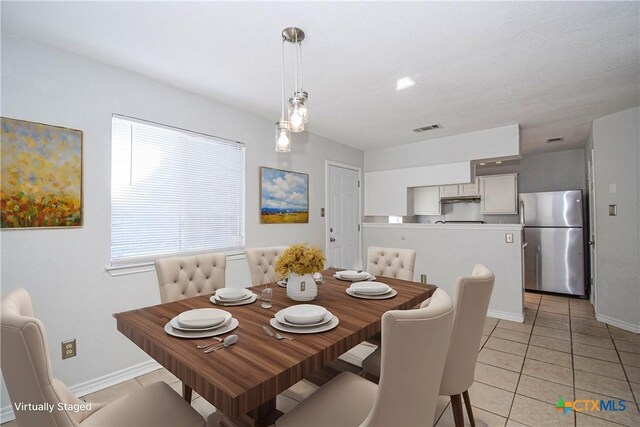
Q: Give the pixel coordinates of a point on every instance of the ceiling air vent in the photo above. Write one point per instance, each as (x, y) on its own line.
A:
(430, 127)
(554, 140)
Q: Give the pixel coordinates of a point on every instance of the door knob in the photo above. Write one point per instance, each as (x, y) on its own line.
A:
(332, 239)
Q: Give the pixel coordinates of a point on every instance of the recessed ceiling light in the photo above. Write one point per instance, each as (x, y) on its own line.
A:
(404, 83)
(499, 162)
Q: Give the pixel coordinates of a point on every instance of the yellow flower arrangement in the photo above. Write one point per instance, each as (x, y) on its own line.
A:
(300, 259)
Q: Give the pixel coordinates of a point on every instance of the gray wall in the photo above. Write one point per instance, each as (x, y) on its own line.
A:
(65, 269)
(616, 144)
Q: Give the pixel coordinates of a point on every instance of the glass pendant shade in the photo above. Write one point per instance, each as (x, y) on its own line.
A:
(296, 115)
(283, 136)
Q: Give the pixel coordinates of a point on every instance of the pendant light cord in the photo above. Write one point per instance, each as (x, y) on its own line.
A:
(282, 115)
(300, 62)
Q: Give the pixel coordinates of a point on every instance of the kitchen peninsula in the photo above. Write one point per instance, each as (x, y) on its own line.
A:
(446, 251)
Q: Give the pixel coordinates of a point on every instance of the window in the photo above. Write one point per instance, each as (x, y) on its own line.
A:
(173, 191)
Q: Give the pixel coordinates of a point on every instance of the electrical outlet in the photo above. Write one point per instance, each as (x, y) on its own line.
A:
(613, 210)
(321, 212)
(423, 278)
(68, 348)
(508, 237)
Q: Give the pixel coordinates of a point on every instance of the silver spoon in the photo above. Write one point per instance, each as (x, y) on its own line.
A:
(228, 342)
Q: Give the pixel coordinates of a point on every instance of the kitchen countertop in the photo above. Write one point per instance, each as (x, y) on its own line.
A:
(451, 226)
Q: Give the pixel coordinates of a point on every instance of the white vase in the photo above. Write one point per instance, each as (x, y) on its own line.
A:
(301, 287)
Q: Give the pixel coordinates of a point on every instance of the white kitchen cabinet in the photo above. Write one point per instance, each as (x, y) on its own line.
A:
(460, 190)
(449, 190)
(471, 189)
(499, 194)
(426, 200)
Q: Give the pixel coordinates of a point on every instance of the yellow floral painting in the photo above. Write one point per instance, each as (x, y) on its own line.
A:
(41, 175)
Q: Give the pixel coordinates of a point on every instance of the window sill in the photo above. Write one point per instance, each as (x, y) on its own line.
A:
(144, 267)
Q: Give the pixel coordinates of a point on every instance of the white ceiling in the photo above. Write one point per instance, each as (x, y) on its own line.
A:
(552, 67)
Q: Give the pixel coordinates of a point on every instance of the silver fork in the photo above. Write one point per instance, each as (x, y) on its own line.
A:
(218, 341)
(276, 335)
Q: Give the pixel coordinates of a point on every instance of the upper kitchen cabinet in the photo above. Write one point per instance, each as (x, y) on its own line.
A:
(499, 194)
(466, 190)
(426, 201)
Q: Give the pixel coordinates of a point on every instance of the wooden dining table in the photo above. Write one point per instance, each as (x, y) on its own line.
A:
(243, 381)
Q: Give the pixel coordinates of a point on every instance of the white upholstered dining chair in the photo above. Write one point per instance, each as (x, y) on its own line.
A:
(262, 264)
(472, 296)
(26, 369)
(390, 262)
(187, 277)
(409, 381)
(190, 276)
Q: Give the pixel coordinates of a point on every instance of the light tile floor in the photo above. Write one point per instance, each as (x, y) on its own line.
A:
(560, 351)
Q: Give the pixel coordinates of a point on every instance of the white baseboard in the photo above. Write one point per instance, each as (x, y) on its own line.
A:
(505, 316)
(618, 323)
(96, 384)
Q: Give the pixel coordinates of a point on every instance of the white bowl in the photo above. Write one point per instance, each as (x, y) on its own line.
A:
(370, 288)
(231, 294)
(304, 314)
(202, 318)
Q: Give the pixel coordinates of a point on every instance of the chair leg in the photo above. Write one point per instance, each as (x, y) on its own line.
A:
(456, 407)
(186, 392)
(467, 403)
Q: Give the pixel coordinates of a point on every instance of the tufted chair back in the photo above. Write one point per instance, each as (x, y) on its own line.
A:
(389, 262)
(190, 276)
(26, 367)
(473, 294)
(262, 264)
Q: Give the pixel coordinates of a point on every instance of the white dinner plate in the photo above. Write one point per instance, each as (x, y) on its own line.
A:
(201, 334)
(297, 330)
(225, 301)
(281, 319)
(337, 276)
(232, 294)
(370, 288)
(231, 304)
(224, 317)
(354, 275)
(390, 294)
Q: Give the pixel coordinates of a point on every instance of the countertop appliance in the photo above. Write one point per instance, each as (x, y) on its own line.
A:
(554, 234)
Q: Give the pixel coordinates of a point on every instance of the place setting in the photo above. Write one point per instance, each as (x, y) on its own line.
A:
(233, 296)
(354, 276)
(371, 290)
(303, 319)
(201, 323)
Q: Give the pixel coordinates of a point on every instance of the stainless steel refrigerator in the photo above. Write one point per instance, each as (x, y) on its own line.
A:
(554, 237)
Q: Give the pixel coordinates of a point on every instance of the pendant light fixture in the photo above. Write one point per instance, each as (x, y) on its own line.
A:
(297, 112)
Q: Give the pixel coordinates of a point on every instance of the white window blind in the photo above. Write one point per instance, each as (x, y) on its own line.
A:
(173, 191)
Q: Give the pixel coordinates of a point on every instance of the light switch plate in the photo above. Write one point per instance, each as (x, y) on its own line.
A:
(613, 210)
(508, 237)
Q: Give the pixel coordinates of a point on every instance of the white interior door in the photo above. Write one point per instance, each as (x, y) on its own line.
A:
(343, 216)
(592, 228)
